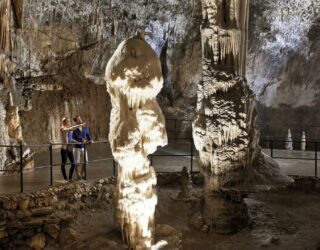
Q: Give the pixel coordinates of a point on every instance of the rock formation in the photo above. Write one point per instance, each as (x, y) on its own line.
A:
(137, 127)
(289, 143)
(186, 184)
(303, 141)
(225, 134)
(224, 131)
(12, 133)
(12, 120)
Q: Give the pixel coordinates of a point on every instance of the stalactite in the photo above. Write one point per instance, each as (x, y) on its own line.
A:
(18, 13)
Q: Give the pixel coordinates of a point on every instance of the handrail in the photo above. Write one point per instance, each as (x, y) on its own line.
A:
(85, 162)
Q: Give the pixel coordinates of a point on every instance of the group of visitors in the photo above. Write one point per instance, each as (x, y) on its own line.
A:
(74, 137)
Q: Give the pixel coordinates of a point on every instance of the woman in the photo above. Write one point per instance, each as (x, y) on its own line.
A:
(66, 148)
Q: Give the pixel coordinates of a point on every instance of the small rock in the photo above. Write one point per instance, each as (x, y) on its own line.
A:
(38, 242)
(52, 229)
(204, 229)
(9, 204)
(41, 211)
(67, 236)
(24, 204)
(23, 214)
(33, 223)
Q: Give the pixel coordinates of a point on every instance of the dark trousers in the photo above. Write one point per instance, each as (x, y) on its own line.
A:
(65, 154)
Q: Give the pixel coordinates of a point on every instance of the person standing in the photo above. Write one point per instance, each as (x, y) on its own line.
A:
(66, 148)
(81, 135)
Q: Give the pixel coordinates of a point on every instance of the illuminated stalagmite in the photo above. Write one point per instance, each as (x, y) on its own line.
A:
(224, 130)
(137, 127)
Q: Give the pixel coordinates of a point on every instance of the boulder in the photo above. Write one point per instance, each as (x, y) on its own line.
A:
(52, 229)
(38, 241)
(24, 203)
(67, 236)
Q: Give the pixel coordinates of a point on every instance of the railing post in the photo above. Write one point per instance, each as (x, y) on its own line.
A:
(51, 165)
(271, 148)
(175, 131)
(114, 167)
(21, 166)
(85, 161)
(191, 154)
(316, 159)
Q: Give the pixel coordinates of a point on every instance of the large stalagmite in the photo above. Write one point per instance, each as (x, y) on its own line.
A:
(137, 127)
(224, 131)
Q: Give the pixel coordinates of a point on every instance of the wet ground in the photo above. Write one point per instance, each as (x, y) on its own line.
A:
(169, 159)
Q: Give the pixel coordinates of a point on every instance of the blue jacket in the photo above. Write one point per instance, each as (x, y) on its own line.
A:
(80, 136)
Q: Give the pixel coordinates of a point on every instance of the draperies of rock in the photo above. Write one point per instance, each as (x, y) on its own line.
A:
(137, 127)
(18, 12)
(7, 8)
(5, 23)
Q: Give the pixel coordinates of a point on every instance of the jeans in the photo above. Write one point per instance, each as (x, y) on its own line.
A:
(65, 154)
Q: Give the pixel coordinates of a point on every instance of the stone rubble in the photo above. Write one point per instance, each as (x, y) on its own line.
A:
(43, 218)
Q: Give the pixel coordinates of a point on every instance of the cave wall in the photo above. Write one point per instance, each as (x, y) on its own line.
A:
(284, 51)
(64, 45)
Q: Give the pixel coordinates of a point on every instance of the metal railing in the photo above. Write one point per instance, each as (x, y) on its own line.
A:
(271, 144)
(51, 165)
(312, 145)
(51, 147)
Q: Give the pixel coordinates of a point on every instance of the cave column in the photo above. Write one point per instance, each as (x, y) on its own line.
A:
(221, 128)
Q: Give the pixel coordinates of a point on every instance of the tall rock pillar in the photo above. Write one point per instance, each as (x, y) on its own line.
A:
(225, 113)
(224, 130)
(137, 127)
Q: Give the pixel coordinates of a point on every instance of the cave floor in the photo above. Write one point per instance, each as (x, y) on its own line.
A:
(284, 219)
(169, 159)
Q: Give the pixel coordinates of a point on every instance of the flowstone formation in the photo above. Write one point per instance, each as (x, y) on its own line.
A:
(137, 128)
(10, 126)
(224, 130)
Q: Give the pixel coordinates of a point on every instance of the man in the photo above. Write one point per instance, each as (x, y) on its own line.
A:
(82, 136)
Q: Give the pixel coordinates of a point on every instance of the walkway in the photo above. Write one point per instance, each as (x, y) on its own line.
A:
(169, 159)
